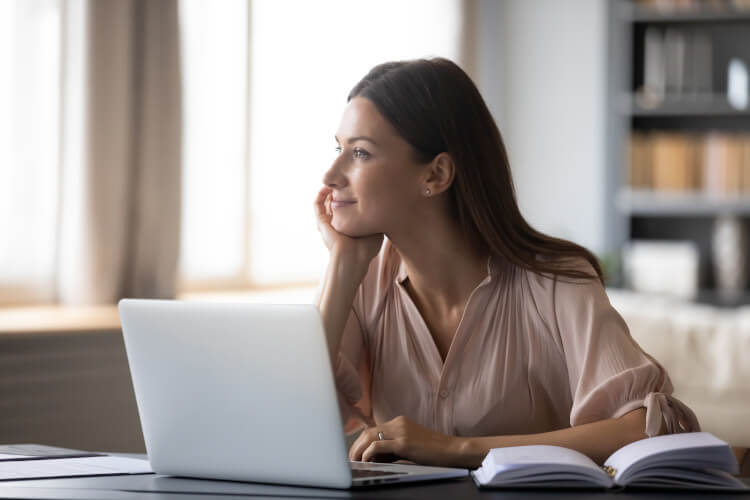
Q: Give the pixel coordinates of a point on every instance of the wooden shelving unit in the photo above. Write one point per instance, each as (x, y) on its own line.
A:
(642, 214)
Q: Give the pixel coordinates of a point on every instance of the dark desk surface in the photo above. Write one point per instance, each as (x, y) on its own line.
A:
(170, 488)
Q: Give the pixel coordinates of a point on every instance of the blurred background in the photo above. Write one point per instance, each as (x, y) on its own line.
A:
(172, 149)
(169, 148)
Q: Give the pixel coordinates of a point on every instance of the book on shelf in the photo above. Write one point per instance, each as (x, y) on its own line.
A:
(640, 162)
(745, 187)
(675, 47)
(677, 66)
(717, 163)
(723, 164)
(696, 461)
(673, 157)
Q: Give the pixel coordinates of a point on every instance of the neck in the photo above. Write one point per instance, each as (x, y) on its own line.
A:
(443, 266)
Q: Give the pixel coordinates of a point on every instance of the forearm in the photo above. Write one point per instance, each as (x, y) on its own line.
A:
(743, 459)
(342, 277)
(597, 440)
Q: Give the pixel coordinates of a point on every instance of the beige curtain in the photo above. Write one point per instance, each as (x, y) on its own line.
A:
(469, 41)
(120, 150)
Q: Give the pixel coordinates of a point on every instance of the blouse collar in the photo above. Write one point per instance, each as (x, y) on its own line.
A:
(492, 270)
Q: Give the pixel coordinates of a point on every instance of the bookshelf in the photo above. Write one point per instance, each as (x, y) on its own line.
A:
(648, 203)
(713, 106)
(678, 143)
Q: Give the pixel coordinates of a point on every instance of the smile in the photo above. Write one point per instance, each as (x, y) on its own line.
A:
(341, 203)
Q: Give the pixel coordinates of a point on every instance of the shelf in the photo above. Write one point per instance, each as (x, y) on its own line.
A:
(660, 204)
(716, 298)
(704, 296)
(712, 106)
(706, 15)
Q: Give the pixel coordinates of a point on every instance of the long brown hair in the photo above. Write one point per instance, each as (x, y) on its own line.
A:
(435, 107)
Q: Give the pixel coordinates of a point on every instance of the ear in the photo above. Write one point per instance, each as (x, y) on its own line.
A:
(439, 175)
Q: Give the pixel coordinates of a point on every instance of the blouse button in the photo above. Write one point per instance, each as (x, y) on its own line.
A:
(443, 394)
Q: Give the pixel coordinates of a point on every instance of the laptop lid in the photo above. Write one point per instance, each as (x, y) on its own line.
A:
(235, 391)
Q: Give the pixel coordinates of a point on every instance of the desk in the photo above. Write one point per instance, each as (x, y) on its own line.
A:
(158, 487)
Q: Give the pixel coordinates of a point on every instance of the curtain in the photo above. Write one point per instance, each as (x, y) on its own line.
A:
(120, 151)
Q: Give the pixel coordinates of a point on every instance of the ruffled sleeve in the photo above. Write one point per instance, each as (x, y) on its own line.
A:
(352, 370)
(609, 374)
(352, 377)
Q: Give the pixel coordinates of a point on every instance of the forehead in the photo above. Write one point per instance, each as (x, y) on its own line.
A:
(361, 117)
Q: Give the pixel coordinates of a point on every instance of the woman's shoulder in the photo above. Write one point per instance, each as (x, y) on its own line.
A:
(556, 290)
(566, 304)
(573, 270)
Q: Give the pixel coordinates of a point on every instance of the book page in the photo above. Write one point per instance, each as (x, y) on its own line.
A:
(539, 465)
(637, 453)
(38, 451)
(538, 454)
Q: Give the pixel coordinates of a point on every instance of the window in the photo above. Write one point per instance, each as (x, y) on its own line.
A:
(265, 83)
(215, 92)
(304, 58)
(29, 147)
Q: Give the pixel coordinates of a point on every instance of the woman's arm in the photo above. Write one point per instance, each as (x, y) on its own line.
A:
(408, 440)
(743, 459)
(343, 276)
(597, 440)
(348, 261)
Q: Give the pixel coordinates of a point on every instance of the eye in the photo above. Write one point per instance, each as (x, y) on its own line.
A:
(360, 153)
(338, 149)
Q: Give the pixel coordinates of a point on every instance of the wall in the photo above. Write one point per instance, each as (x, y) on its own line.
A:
(69, 389)
(542, 71)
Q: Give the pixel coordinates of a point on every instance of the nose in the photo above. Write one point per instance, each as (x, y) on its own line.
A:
(334, 176)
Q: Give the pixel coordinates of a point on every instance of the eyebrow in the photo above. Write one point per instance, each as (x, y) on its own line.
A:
(357, 138)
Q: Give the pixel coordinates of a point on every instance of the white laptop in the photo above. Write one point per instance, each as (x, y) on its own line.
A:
(244, 392)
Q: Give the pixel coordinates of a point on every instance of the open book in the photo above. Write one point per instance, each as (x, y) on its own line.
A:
(696, 460)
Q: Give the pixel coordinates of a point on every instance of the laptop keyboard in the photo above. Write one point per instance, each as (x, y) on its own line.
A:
(360, 473)
(360, 470)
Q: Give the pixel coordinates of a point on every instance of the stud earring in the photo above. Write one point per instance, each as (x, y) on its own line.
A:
(427, 192)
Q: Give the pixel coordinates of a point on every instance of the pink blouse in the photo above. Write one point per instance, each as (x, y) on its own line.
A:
(531, 354)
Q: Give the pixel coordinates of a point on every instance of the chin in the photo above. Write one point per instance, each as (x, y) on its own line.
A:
(348, 228)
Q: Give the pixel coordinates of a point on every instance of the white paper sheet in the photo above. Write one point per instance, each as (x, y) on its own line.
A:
(66, 467)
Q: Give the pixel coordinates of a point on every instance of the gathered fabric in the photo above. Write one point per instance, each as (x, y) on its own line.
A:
(669, 411)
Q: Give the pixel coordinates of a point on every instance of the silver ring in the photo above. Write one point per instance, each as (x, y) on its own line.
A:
(381, 436)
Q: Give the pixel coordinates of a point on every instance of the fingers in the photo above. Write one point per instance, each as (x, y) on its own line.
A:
(359, 445)
(386, 450)
(322, 204)
(370, 435)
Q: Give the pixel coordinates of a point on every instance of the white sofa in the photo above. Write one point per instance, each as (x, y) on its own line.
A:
(706, 351)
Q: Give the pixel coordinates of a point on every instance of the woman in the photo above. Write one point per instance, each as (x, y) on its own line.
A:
(464, 329)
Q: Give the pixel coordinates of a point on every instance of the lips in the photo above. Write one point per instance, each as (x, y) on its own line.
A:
(342, 203)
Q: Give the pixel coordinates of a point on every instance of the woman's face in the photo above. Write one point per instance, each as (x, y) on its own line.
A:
(376, 180)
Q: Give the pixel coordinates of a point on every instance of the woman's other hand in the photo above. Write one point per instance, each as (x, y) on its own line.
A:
(363, 249)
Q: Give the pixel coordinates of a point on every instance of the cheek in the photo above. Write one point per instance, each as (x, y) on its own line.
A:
(383, 196)
(392, 198)
(385, 209)
(357, 220)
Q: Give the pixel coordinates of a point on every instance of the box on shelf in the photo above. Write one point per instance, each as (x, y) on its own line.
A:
(662, 267)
